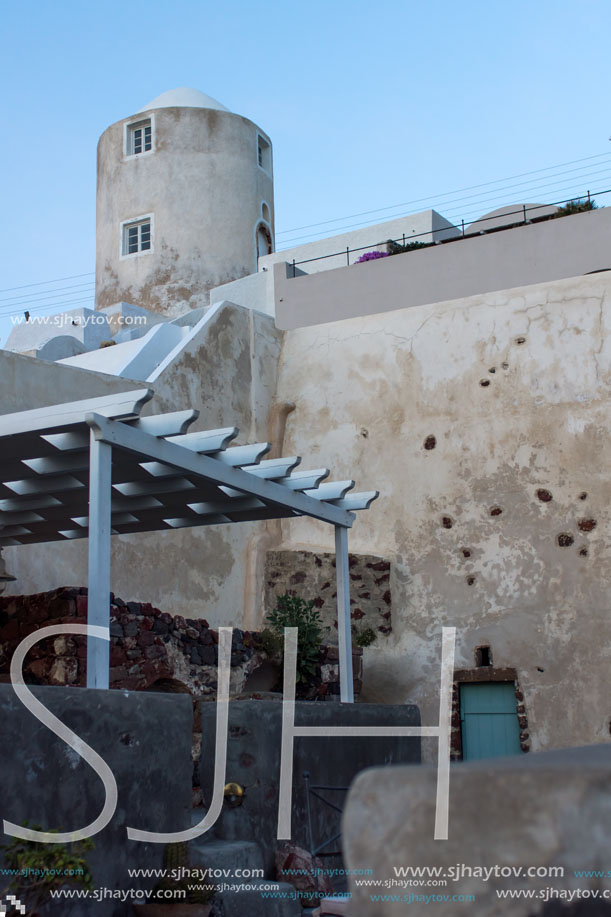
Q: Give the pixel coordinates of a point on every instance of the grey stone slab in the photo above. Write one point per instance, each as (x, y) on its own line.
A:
(539, 811)
(146, 741)
(253, 760)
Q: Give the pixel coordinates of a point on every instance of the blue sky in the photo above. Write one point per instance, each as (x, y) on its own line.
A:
(395, 106)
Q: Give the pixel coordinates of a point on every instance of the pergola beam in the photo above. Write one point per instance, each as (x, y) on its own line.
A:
(209, 469)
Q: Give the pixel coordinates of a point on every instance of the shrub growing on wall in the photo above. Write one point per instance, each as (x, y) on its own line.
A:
(293, 611)
(395, 248)
(579, 205)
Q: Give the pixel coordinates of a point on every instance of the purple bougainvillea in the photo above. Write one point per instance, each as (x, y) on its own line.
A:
(372, 256)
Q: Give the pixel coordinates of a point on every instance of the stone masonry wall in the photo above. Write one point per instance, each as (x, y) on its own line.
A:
(312, 576)
(149, 649)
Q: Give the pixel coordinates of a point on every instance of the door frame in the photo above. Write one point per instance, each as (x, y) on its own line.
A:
(477, 676)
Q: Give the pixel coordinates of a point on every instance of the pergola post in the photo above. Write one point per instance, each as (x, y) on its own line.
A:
(344, 630)
(98, 607)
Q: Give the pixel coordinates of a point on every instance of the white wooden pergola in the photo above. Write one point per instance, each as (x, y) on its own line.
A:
(96, 468)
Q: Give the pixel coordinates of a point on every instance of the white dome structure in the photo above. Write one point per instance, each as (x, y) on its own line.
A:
(185, 203)
(184, 98)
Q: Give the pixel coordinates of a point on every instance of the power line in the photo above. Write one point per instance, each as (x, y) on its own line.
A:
(42, 299)
(445, 194)
(48, 294)
(555, 189)
(43, 282)
(5, 313)
(501, 194)
(578, 193)
(482, 203)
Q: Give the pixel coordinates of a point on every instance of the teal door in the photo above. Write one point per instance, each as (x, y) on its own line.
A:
(489, 720)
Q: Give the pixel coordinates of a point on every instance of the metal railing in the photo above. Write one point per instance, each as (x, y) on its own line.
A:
(313, 790)
(523, 211)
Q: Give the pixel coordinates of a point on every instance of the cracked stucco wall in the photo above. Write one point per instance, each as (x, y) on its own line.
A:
(485, 424)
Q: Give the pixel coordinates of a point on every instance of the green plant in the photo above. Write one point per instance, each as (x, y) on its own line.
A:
(293, 611)
(395, 248)
(364, 637)
(40, 868)
(270, 642)
(177, 878)
(579, 205)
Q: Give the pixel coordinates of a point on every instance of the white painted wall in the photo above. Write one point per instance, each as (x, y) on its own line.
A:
(255, 292)
(87, 327)
(563, 247)
(428, 226)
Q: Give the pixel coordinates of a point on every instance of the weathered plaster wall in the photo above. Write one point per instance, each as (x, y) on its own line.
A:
(253, 760)
(204, 189)
(485, 424)
(229, 373)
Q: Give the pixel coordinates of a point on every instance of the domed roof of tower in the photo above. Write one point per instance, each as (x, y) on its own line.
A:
(184, 98)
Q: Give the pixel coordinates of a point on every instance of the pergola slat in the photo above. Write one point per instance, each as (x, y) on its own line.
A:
(333, 490)
(43, 485)
(207, 441)
(172, 424)
(304, 480)
(273, 469)
(357, 501)
(236, 456)
(124, 406)
(58, 464)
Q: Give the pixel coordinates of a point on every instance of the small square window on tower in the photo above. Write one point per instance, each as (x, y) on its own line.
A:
(264, 154)
(139, 137)
(136, 236)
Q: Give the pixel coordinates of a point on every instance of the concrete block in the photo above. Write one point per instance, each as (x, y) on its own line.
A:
(253, 760)
(539, 812)
(146, 741)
